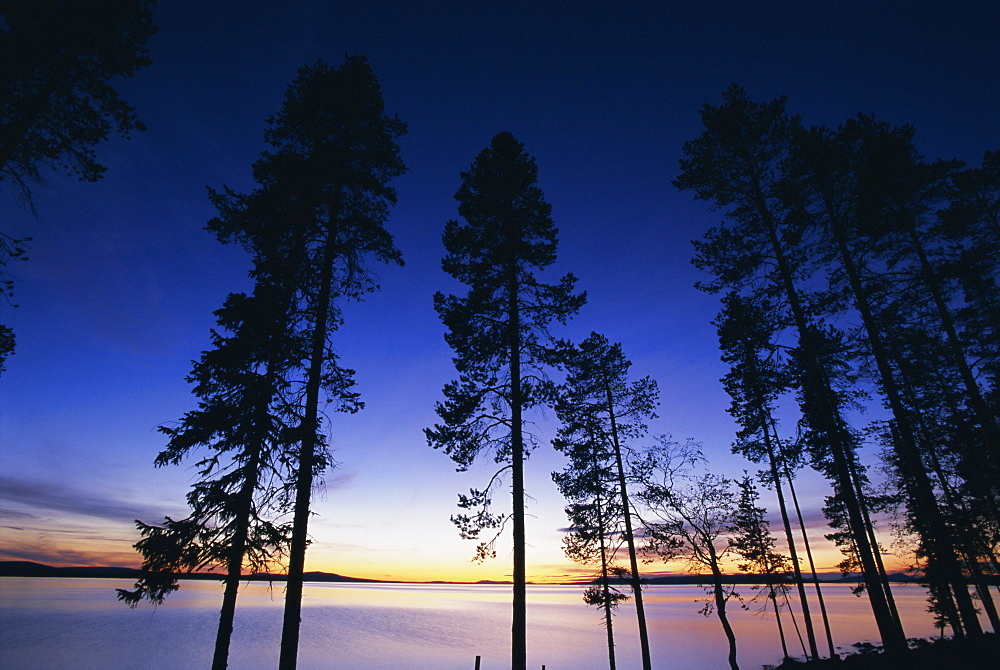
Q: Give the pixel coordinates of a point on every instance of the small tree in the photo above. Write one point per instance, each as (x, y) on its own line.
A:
(601, 411)
(594, 535)
(499, 332)
(754, 544)
(691, 519)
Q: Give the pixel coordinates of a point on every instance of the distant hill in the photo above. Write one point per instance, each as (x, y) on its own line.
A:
(30, 569)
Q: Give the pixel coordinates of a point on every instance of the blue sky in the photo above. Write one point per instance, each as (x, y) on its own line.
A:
(118, 295)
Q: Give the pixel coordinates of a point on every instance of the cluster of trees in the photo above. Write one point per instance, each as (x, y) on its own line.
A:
(852, 266)
(314, 225)
(847, 262)
(624, 498)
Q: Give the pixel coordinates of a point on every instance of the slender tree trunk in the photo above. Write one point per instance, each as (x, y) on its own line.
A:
(817, 389)
(812, 566)
(234, 567)
(720, 606)
(923, 505)
(773, 596)
(605, 580)
(519, 651)
(795, 625)
(796, 568)
(220, 658)
(985, 597)
(640, 611)
(307, 457)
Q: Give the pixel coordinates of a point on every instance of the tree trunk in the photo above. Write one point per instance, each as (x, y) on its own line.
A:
(923, 505)
(812, 566)
(796, 568)
(777, 617)
(519, 651)
(605, 581)
(307, 456)
(237, 552)
(720, 606)
(817, 390)
(640, 611)
(234, 567)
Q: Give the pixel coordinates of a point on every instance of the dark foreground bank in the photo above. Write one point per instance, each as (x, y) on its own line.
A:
(982, 653)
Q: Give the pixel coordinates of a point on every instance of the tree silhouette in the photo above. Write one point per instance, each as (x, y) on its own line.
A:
(313, 225)
(692, 518)
(738, 163)
(56, 102)
(756, 378)
(499, 332)
(594, 534)
(327, 179)
(600, 410)
(753, 542)
(248, 419)
(825, 170)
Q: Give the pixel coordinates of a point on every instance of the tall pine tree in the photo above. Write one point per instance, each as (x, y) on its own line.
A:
(334, 156)
(499, 331)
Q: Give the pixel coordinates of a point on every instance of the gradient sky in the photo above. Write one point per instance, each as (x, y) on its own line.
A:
(117, 298)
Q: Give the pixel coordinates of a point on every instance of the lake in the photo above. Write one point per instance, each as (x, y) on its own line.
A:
(77, 623)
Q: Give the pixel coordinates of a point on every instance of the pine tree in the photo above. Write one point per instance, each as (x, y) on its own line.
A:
(254, 407)
(327, 180)
(247, 420)
(738, 163)
(594, 534)
(600, 411)
(753, 542)
(314, 224)
(499, 332)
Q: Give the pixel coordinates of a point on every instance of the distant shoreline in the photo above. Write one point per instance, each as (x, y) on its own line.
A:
(31, 569)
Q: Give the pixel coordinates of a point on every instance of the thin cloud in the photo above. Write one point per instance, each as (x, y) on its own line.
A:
(65, 499)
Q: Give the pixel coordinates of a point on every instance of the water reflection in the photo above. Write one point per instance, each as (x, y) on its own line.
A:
(59, 623)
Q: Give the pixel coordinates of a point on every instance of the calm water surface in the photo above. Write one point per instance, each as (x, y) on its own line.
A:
(77, 623)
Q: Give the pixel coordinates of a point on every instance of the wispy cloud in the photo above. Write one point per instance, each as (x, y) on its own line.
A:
(67, 499)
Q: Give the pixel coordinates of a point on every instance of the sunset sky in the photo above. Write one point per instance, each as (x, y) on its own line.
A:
(117, 297)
